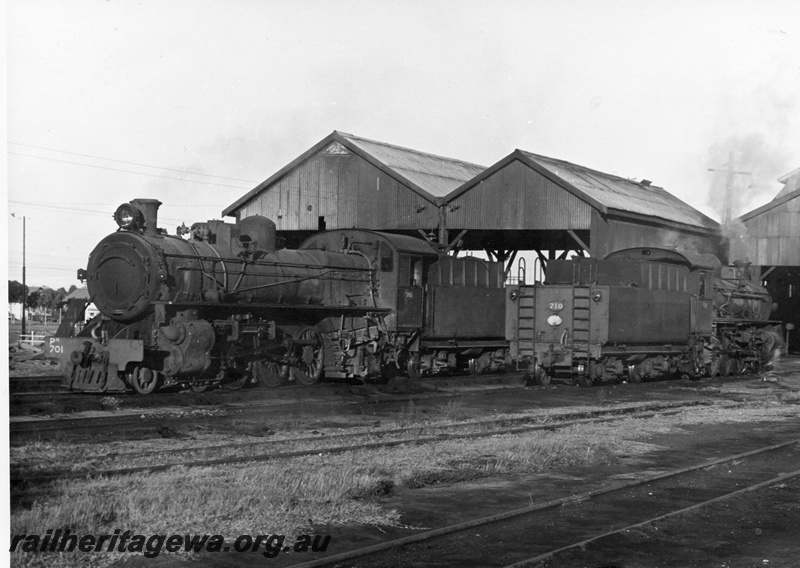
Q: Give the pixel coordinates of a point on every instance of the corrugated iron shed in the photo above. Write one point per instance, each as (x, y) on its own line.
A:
(434, 175)
(429, 176)
(531, 202)
(770, 234)
(790, 181)
(604, 192)
(769, 237)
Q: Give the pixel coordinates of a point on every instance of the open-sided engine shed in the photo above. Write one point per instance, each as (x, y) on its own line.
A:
(524, 202)
(531, 202)
(769, 237)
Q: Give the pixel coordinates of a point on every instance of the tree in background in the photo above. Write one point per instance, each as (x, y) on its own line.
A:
(33, 298)
(15, 292)
(42, 298)
(50, 299)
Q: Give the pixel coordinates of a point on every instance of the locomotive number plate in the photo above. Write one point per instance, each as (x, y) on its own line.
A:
(556, 306)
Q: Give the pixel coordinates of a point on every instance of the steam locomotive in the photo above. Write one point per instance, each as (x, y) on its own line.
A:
(225, 304)
(643, 312)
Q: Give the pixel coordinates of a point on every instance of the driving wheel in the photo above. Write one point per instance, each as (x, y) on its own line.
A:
(144, 380)
(308, 369)
(270, 374)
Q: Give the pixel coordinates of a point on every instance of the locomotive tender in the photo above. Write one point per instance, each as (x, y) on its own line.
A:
(643, 312)
(228, 306)
(225, 304)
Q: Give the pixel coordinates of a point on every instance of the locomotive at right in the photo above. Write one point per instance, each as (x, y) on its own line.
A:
(643, 312)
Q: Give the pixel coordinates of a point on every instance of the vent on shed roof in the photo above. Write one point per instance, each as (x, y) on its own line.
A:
(335, 149)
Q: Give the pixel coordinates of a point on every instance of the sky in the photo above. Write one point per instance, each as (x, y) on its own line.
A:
(194, 102)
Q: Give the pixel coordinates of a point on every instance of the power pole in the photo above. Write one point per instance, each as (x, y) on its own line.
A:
(727, 209)
(24, 288)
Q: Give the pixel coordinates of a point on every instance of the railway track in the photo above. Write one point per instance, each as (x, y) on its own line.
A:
(533, 536)
(210, 455)
(50, 385)
(219, 404)
(34, 384)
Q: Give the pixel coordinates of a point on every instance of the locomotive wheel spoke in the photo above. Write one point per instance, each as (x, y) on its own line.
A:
(474, 368)
(309, 367)
(271, 374)
(542, 378)
(481, 364)
(413, 369)
(144, 380)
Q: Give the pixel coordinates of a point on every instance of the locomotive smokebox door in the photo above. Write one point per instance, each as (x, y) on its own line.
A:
(409, 292)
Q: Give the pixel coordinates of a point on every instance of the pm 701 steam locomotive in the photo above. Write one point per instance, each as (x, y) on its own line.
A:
(227, 305)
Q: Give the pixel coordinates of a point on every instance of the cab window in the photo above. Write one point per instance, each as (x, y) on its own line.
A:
(410, 273)
(387, 258)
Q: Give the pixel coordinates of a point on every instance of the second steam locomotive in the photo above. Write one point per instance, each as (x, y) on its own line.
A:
(225, 304)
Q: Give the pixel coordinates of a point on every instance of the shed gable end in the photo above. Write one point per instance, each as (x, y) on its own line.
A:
(518, 197)
(338, 189)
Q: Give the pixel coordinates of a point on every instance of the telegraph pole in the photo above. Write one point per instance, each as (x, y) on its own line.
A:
(24, 289)
(727, 211)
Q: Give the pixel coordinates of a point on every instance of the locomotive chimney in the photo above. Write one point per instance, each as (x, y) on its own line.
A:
(149, 209)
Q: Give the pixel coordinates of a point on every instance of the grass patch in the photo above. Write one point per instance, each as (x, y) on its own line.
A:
(410, 415)
(454, 411)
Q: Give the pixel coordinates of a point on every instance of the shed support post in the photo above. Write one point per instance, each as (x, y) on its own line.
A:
(454, 243)
(442, 226)
(510, 264)
(583, 245)
(764, 274)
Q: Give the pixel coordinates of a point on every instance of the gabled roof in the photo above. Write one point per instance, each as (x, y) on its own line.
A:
(786, 177)
(78, 293)
(779, 200)
(790, 181)
(432, 177)
(605, 192)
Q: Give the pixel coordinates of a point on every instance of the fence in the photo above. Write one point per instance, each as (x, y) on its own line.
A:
(33, 339)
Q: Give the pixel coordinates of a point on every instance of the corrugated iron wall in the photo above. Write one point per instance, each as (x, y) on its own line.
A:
(517, 197)
(772, 238)
(348, 192)
(610, 234)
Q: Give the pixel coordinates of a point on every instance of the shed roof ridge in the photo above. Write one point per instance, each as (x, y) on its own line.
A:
(629, 180)
(597, 178)
(411, 150)
(398, 168)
